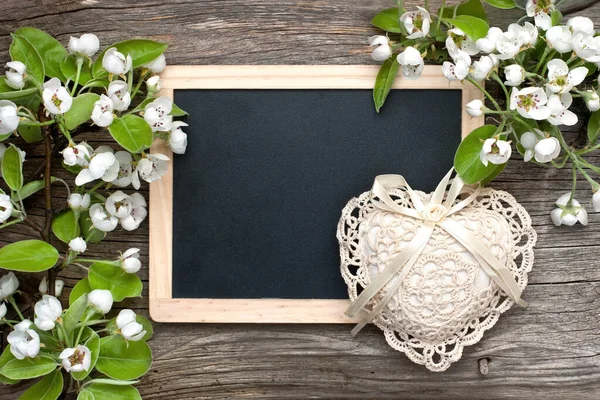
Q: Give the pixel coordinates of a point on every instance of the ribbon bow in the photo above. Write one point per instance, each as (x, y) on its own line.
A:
(433, 214)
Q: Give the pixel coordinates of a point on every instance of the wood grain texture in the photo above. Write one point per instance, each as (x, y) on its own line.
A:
(550, 350)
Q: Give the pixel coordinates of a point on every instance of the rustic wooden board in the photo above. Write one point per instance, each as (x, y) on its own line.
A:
(550, 350)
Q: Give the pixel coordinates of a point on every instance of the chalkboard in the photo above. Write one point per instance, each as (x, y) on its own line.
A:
(258, 194)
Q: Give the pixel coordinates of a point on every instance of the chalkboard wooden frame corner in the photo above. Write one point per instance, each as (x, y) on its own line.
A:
(165, 308)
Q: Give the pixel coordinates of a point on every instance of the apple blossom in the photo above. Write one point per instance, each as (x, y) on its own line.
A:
(102, 165)
(157, 65)
(154, 84)
(116, 63)
(458, 40)
(495, 151)
(586, 46)
(458, 70)
(528, 141)
(8, 285)
(530, 103)
(79, 202)
(527, 34)
(57, 99)
(559, 110)
(592, 100)
(100, 300)
(411, 63)
(47, 312)
(480, 70)
(150, 168)
(137, 215)
(475, 108)
(102, 114)
(540, 10)
(15, 76)
(125, 160)
(560, 39)
(130, 261)
(596, 201)
(515, 75)
(77, 154)
(178, 138)
(86, 45)
(129, 327)
(157, 113)
(508, 45)
(488, 43)
(78, 245)
(547, 150)
(6, 208)
(581, 24)
(569, 212)
(119, 94)
(417, 23)
(560, 79)
(76, 359)
(3, 310)
(102, 220)
(58, 286)
(9, 120)
(24, 341)
(382, 49)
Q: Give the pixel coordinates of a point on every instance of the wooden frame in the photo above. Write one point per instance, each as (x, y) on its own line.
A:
(165, 308)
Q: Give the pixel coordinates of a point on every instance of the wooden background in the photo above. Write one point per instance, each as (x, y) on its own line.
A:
(550, 350)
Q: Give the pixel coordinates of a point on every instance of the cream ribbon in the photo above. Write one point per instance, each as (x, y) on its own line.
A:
(433, 214)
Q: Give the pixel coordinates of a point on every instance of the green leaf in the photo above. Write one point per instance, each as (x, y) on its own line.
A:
(28, 256)
(497, 171)
(31, 134)
(8, 93)
(89, 233)
(113, 329)
(593, 128)
(120, 283)
(473, 8)
(92, 343)
(12, 167)
(123, 360)
(103, 391)
(80, 289)
(556, 17)
(473, 27)
(132, 133)
(5, 358)
(68, 67)
(384, 81)
(28, 368)
(75, 312)
(81, 110)
(66, 226)
(467, 162)
(22, 50)
(48, 388)
(388, 20)
(29, 189)
(142, 51)
(503, 4)
(177, 112)
(51, 50)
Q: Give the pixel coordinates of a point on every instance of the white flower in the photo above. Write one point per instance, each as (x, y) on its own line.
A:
(129, 327)
(87, 45)
(488, 43)
(100, 300)
(15, 76)
(515, 75)
(178, 138)
(530, 103)
(102, 114)
(57, 99)
(138, 213)
(157, 65)
(3, 310)
(79, 202)
(458, 40)
(150, 168)
(123, 178)
(592, 100)
(547, 150)
(568, 212)
(102, 165)
(596, 201)
(560, 79)
(9, 120)
(8, 285)
(416, 23)
(581, 24)
(495, 151)
(78, 244)
(47, 311)
(411, 63)
(118, 93)
(6, 208)
(586, 46)
(527, 34)
(157, 115)
(559, 110)
(118, 204)
(58, 286)
(528, 141)
(560, 38)
(480, 70)
(76, 359)
(154, 84)
(115, 62)
(24, 342)
(475, 108)
(77, 155)
(508, 45)
(540, 10)
(101, 219)
(130, 261)
(458, 70)
(382, 47)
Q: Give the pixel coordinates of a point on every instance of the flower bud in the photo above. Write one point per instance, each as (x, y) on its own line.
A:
(101, 300)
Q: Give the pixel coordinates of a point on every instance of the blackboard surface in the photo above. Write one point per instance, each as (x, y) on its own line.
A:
(258, 194)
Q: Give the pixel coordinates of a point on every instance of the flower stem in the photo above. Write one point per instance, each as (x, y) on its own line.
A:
(83, 325)
(139, 84)
(76, 82)
(497, 79)
(439, 19)
(485, 92)
(547, 51)
(13, 303)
